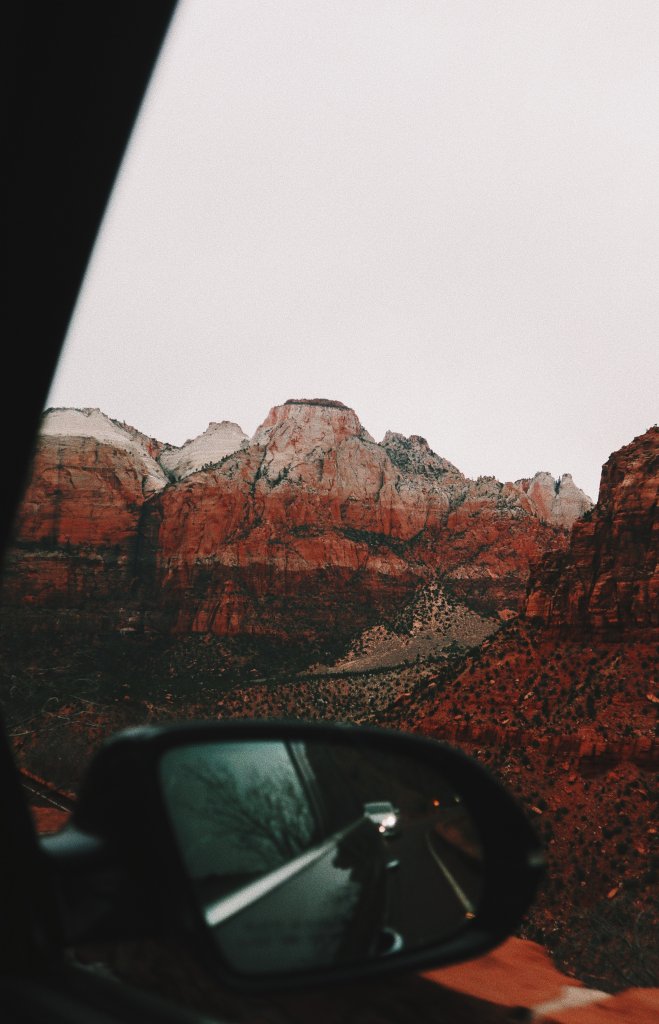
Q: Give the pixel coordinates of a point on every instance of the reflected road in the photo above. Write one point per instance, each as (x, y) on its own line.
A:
(435, 887)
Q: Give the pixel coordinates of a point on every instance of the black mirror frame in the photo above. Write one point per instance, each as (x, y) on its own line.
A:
(121, 829)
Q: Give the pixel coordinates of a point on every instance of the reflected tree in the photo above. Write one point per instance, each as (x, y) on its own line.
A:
(255, 821)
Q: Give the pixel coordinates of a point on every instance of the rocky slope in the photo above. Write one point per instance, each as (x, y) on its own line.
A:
(420, 631)
(578, 664)
(562, 703)
(309, 529)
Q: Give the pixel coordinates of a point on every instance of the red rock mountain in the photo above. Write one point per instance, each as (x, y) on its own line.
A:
(607, 580)
(562, 703)
(600, 596)
(78, 523)
(311, 528)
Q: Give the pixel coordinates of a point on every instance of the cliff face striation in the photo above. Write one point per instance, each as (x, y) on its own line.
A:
(315, 528)
(607, 579)
(77, 527)
(310, 528)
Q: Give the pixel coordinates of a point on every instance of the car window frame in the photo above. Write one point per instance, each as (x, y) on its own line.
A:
(75, 76)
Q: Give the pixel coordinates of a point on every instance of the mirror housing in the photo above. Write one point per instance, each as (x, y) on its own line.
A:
(132, 862)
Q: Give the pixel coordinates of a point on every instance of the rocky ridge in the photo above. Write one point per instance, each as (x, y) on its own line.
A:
(309, 528)
(216, 442)
(315, 522)
(96, 427)
(558, 501)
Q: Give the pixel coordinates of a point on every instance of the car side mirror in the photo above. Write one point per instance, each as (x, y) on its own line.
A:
(295, 853)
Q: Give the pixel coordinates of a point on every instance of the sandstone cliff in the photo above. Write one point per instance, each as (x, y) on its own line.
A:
(557, 501)
(309, 529)
(607, 580)
(315, 528)
(77, 527)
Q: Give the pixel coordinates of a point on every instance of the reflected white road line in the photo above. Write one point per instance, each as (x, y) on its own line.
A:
(230, 905)
(455, 885)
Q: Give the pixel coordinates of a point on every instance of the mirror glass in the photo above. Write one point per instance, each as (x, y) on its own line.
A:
(305, 854)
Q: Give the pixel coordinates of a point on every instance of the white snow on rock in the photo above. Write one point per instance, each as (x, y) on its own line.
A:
(216, 442)
(95, 424)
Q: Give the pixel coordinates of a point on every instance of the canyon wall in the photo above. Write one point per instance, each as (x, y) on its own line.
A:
(607, 579)
(311, 528)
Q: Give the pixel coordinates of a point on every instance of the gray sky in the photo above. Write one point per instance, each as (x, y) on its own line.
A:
(444, 214)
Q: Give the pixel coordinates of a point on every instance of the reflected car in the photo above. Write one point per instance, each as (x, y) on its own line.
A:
(383, 814)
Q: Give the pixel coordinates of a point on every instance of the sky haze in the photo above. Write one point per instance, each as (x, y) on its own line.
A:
(445, 215)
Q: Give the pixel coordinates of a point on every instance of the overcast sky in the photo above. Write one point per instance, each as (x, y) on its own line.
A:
(444, 214)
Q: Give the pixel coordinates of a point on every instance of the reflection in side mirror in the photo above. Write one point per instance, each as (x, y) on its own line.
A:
(289, 853)
(290, 844)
